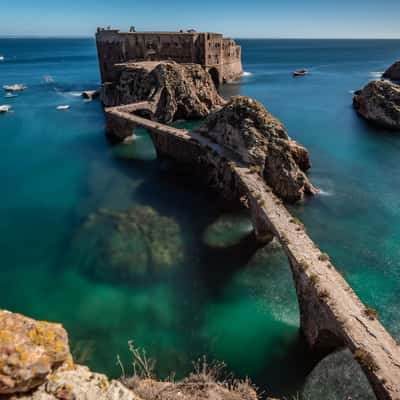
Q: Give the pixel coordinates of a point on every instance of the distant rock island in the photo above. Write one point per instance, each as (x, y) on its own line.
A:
(393, 72)
(379, 101)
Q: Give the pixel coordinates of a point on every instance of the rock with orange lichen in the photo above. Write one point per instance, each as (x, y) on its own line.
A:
(29, 351)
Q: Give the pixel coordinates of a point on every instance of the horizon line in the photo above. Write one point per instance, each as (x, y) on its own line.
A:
(38, 36)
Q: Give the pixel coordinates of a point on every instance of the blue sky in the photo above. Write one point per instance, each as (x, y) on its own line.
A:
(245, 18)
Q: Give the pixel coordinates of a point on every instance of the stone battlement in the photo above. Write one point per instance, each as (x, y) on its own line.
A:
(221, 57)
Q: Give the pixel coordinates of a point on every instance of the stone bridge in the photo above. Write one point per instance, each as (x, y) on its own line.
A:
(331, 314)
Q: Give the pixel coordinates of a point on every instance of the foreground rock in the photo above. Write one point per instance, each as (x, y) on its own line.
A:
(178, 91)
(379, 102)
(79, 384)
(27, 348)
(246, 128)
(393, 72)
(130, 245)
(29, 351)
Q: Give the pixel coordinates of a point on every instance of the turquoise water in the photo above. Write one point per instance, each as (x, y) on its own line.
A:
(203, 291)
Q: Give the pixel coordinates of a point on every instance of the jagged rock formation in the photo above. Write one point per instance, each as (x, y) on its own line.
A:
(27, 348)
(29, 351)
(379, 102)
(137, 243)
(393, 72)
(246, 128)
(90, 94)
(177, 91)
(79, 383)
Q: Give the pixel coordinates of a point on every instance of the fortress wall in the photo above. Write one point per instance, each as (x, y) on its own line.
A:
(210, 50)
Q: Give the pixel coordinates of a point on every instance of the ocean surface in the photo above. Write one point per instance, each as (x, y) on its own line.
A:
(203, 288)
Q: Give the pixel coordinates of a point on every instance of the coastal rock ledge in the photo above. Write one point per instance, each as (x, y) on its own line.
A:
(379, 102)
(29, 351)
(36, 364)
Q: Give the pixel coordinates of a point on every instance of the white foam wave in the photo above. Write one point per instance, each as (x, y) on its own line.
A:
(323, 192)
(376, 74)
(352, 91)
(48, 79)
(246, 73)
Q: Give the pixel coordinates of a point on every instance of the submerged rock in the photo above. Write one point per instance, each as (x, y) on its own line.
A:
(393, 72)
(379, 102)
(245, 127)
(228, 230)
(338, 376)
(134, 244)
(29, 351)
(179, 91)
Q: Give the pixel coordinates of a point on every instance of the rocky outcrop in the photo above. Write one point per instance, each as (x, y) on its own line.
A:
(393, 72)
(130, 245)
(177, 91)
(90, 94)
(79, 384)
(379, 102)
(29, 351)
(27, 348)
(246, 128)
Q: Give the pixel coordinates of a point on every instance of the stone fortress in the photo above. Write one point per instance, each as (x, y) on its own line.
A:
(219, 56)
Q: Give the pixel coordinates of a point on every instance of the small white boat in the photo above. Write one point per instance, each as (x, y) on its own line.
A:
(63, 107)
(18, 87)
(300, 72)
(5, 108)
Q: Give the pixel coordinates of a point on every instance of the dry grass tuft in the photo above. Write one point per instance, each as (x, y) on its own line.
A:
(366, 360)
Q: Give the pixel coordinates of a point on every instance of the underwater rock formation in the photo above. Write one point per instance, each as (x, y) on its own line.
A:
(228, 230)
(246, 128)
(129, 245)
(177, 91)
(379, 102)
(393, 72)
(338, 376)
(29, 351)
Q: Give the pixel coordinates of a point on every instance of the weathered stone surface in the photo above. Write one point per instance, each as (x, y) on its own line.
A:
(379, 102)
(210, 50)
(129, 245)
(79, 384)
(177, 91)
(29, 351)
(393, 72)
(90, 94)
(258, 138)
